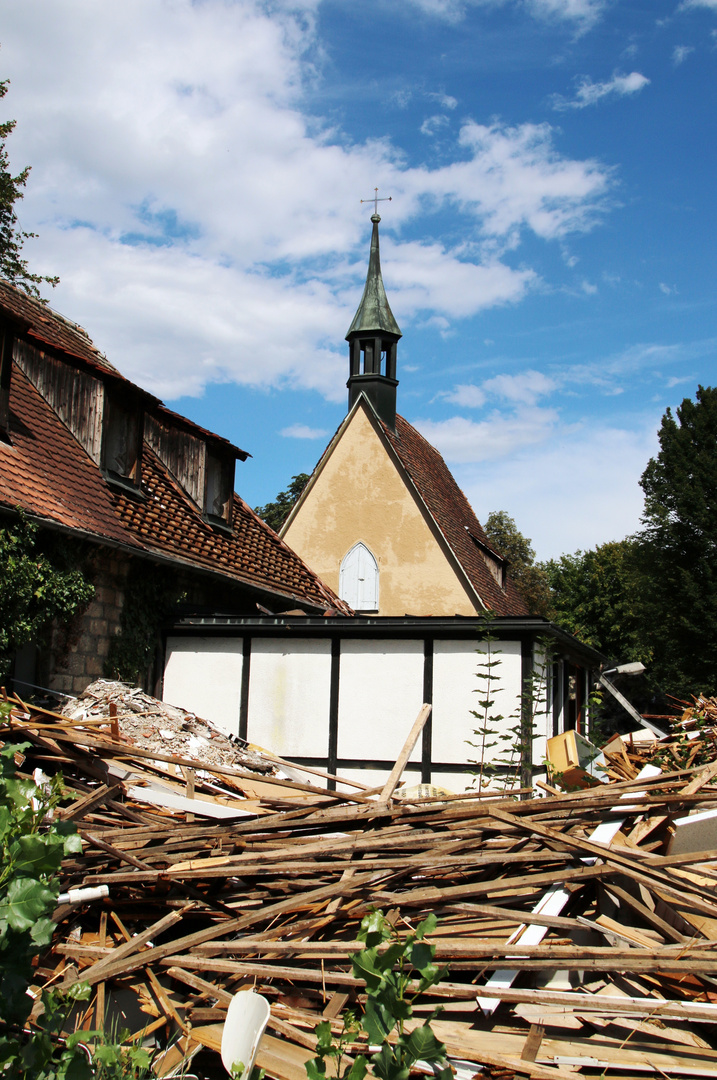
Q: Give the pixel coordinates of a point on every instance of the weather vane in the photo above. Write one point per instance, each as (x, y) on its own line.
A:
(375, 200)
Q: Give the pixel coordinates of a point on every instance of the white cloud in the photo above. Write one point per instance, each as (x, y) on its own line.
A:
(582, 13)
(432, 124)
(699, 3)
(178, 200)
(588, 287)
(466, 395)
(303, 431)
(562, 507)
(667, 289)
(525, 388)
(515, 179)
(680, 53)
(589, 92)
(499, 436)
(446, 100)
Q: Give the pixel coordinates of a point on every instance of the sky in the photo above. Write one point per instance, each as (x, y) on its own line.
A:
(548, 251)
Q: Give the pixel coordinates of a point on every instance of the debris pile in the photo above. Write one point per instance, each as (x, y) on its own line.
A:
(578, 941)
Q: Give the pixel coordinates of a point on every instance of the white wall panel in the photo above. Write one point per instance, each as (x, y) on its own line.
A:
(203, 675)
(456, 691)
(381, 691)
(289, 687)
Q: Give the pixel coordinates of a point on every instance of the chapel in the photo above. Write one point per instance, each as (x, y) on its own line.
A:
(382, 520)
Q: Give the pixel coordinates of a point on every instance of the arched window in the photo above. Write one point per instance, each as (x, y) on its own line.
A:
(358, 584)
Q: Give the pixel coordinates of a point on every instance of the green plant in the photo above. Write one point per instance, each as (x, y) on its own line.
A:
(33, 843)
(40, 580)
(488, 733)
(151, 594)
(396, 970)
(12, 266)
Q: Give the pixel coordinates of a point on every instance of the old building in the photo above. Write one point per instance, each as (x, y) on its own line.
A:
(382, 519)
(145, 497)
(384, 523)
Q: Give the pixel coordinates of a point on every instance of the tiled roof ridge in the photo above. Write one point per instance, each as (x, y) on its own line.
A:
(161, 409)
(40, 311)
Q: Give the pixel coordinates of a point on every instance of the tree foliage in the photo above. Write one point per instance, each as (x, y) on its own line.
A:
(275, 513)
(529, 577)
(595, 597)
(12, 266)
(39, 582)
(677, 550)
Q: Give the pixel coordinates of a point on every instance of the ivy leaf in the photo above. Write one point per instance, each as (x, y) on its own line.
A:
(26, 901)
(423, 1045)
(33, 856)
(377, 1020)
(364, 967)
(358, 1069)
(315, 1069)
(42, 932)
(428, 925)
(324, 1038)
(422, 955)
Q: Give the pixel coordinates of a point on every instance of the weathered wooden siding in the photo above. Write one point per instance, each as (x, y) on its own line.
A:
(183, 454)
(76, 397)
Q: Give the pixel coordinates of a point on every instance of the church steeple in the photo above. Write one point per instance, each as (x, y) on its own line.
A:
(372, 337)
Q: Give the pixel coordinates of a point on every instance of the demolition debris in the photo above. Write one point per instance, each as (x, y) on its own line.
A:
(579, 928)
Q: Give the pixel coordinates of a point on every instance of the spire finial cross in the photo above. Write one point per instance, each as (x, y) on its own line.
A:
(375, 200)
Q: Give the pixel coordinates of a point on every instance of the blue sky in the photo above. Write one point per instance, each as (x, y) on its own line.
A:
(549, 251)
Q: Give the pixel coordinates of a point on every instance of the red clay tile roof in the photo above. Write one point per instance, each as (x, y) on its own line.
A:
(44, 470)
(453, 515)
(47, 327)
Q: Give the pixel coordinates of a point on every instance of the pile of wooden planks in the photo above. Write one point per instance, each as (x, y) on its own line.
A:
(576, 943)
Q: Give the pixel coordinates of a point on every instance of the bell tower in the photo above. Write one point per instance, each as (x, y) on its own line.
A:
(373, 337)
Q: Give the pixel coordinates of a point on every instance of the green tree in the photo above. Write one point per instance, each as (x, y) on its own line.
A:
(12, 266)
(677, 550)
(595, 595)
(275, 513)
(39, 582)
(529, 577)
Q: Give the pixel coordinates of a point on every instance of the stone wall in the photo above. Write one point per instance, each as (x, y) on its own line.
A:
(78, 651)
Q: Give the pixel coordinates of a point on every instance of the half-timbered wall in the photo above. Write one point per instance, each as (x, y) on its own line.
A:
(346, 703)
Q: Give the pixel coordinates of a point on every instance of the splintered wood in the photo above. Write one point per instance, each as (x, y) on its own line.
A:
(577, 941)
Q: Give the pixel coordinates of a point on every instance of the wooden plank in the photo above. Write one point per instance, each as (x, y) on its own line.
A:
(395, 774)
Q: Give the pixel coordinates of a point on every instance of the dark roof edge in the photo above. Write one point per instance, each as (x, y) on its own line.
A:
(431, 625)
(151, 555)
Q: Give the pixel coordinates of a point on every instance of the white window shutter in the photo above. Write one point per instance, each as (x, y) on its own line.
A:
(359, 579)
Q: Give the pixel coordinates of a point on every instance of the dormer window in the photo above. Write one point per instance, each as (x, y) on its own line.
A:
(218, 488)
(122, 440)
(497, 565)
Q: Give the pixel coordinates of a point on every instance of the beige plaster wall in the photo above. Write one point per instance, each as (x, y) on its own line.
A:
(361, 495)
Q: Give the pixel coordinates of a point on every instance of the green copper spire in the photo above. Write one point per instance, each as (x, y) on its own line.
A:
(374, 316)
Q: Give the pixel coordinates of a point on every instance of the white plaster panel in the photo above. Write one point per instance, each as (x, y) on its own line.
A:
(289, 688)
(380, 693)
(203, 675)
(371, 777)
(458, 783)
(456, 691)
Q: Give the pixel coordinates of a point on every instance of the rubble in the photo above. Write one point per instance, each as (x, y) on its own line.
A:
(578, 944)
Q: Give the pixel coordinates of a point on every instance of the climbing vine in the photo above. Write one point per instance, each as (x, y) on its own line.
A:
(41, 580)
(151, 594)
